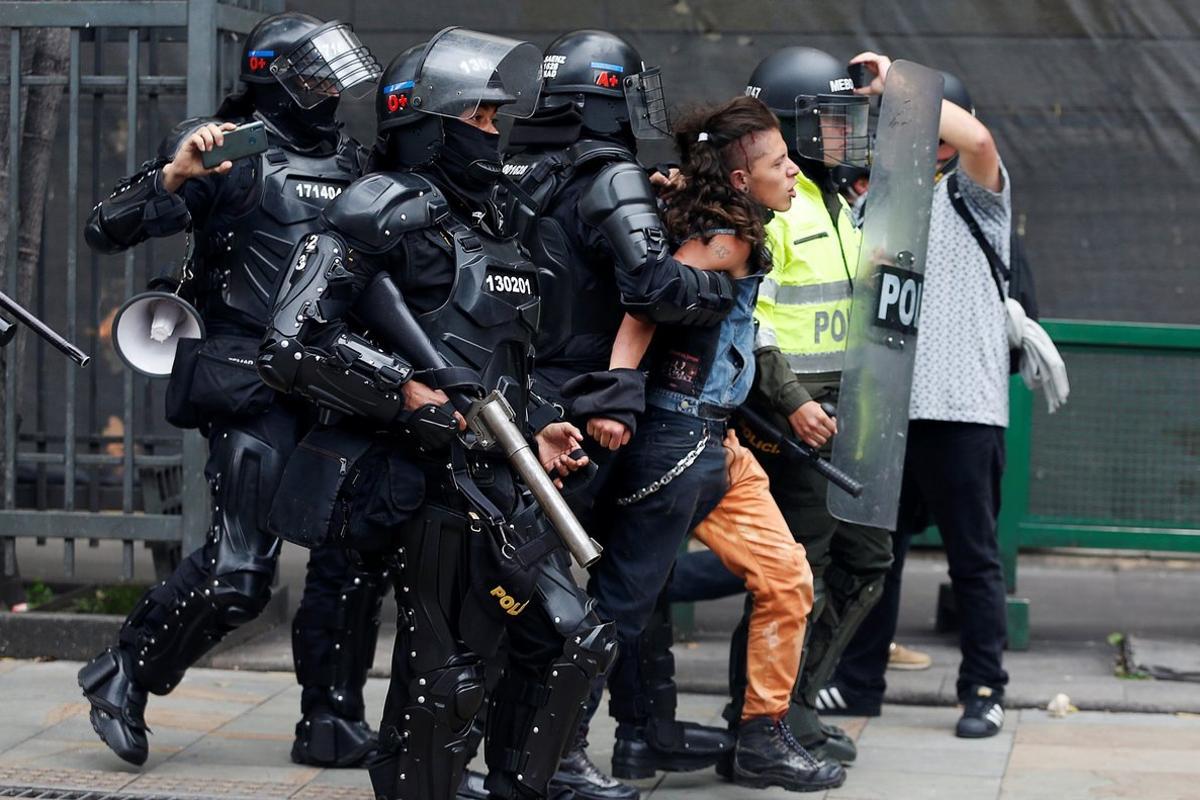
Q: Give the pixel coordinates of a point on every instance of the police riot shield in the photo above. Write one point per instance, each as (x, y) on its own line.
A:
(886, 307)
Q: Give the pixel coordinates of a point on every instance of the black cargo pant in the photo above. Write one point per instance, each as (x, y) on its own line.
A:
(951, 478)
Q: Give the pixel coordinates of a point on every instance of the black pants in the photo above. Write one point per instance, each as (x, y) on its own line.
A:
(951, 477)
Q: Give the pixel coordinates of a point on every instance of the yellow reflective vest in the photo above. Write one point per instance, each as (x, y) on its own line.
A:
(804, 303)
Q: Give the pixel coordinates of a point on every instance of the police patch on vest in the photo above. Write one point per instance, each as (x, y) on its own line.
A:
(509, 284)
(311, 191)
(507, 601)
(899, 306)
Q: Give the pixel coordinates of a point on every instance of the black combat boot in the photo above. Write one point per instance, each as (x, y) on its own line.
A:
(118, 704)
(324, 739)
(674, 747)
(826, 742)
(577, 773)
(768, 755)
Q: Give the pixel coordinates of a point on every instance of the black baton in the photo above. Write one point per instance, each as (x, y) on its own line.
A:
(801, 451)
(7, 330)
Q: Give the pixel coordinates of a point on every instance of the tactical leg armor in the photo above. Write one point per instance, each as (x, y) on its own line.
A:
(227, 582)
(438, 685)
(557, 650)
(849, 599)
(333, 644)
(223, 585)
(663, 743)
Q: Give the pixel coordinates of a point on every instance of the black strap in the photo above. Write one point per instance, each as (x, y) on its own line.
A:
(997, 265)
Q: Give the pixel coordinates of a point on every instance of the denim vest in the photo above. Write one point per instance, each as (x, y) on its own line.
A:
(708, 373)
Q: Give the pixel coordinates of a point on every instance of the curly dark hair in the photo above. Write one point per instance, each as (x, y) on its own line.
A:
(711, 146)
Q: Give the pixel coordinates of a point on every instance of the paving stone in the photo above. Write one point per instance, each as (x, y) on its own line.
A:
(1062, 784)
(228, 734)
(1180, 721)
(1127, 736)
(42, 753)
(1153, 696)
(1165, 759)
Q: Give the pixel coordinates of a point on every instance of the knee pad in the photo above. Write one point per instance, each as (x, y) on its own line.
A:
(238, 597)
(850, 600)
(531, 722)
(426, 731)
(181, 619)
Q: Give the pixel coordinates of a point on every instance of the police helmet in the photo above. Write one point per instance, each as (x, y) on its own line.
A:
(604, 77)
(414, 138)
(312, 60)
(449, 77)
(956, 92)
(820, 116)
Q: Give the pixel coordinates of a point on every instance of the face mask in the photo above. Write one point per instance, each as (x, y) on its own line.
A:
(464, 145)
(301, 126)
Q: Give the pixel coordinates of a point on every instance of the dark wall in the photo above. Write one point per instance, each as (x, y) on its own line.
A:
(1095, 106)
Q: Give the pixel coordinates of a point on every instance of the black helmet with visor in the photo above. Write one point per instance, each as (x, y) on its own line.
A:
(604, 77)
(450, 76)
(811, 92)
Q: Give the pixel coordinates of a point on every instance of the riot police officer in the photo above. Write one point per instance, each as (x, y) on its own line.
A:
(244, 218)
(587, 213)
(413, 271)
(803, 311)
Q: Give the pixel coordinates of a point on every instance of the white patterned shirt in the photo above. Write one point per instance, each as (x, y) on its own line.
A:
(961, 370)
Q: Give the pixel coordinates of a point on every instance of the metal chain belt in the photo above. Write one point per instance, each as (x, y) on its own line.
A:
(671, 474)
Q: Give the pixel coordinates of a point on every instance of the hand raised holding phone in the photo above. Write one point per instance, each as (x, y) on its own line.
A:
(212, 148)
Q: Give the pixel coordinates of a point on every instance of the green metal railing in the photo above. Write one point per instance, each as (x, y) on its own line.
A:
(1117, 467)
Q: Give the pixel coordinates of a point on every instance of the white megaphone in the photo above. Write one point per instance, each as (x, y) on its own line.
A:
(147, 330)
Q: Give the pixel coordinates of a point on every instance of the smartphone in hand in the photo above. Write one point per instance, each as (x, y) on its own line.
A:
(244, 140)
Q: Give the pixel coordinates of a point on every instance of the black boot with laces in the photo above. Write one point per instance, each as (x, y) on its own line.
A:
(578, 773)
(767, 754)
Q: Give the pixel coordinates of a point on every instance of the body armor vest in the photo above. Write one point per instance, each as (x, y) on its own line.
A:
(244, 259)
(488, 322)
(575, 283)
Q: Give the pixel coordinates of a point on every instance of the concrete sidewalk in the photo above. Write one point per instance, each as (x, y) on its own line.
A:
(1075, 602)
(226, 734)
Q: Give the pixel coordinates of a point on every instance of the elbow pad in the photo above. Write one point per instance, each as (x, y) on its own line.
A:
(349, 375)
(693, 297)
(136, 210)
(620, 204)
(318, 287)
(356, 378)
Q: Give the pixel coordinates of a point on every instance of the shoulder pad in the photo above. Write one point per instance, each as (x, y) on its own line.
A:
(375, 211)
(619, 185)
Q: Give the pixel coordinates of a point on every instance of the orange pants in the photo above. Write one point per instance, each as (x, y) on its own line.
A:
(748, 533)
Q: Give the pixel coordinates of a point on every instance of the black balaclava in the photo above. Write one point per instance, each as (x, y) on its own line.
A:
(463, 145)
(469, 162)
(313, 129)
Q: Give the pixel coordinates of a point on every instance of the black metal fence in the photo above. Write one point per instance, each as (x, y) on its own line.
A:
(86, 454)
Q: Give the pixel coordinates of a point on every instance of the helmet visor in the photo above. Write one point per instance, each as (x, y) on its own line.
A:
(329, 63)
(647, 104)
(463, 69)
(833, 129)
